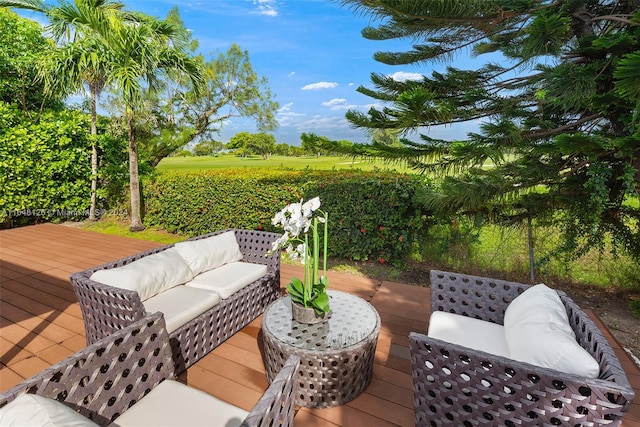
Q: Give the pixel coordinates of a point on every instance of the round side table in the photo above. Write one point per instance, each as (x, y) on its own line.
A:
(336, 355)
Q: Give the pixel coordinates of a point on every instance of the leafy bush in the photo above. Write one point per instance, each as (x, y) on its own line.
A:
(372, 215)
(44, 165)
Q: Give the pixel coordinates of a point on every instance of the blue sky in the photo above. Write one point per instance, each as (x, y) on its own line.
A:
(311, 51)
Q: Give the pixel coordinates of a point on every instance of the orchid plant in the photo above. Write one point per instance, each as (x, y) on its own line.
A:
(301, 241)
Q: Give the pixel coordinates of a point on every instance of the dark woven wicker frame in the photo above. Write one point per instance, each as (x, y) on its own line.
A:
(106, 309)
(326, 378)
(106, 378)
(276, 407)
(458, 386)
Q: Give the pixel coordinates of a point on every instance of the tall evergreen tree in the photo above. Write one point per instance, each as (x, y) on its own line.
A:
(557, 101)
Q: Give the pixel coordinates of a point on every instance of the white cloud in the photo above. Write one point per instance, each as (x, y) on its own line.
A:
(334, 101)
(265, 7)
(289, 119)
(291, 74)
(351, 84)
(337, 104)
(285, 107)
(320, 85)
(402, 76)
(322, 124)
(286, 117)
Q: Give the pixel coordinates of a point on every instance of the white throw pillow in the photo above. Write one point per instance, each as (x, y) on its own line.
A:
(206, 254)
(37, 411)
(149, 275)
(537, 331)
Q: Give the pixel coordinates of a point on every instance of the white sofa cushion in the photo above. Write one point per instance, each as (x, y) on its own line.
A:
(172, 403)
(206, 254)
(181, 304)
(149, 275)
(469, 332)
(537, 331)
(38, 411)
(229, 278)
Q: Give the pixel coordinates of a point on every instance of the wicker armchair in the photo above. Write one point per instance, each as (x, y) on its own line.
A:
(105, 379)
(455, 385)
(106, 309)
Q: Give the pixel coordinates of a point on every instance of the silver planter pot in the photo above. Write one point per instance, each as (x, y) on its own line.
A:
(307, 315)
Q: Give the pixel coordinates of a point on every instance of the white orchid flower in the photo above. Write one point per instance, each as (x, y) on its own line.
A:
(297, 220)
(279, 218)
(310, 205)
(280, 242)
(294, 209)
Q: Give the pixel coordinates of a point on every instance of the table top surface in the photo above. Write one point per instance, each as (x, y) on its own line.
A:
(352, 320)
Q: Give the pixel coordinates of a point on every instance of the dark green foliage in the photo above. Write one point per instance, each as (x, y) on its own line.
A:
(22, 46)
(371, 216)
(44, 166)
(557, 102)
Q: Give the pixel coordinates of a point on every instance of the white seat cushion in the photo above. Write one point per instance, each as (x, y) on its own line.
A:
(30, 410)
(149, 275)
(181, 305)
(229, 278)
(209, 253)
(174, 404)
(537, 331)
(469, 332)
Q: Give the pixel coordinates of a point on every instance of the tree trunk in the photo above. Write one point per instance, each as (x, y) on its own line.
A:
(134, 180)
(94, 154)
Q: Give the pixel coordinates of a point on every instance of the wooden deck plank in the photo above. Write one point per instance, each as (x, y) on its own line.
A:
(8, 378)
(344, 415)
(43, 324)
(43, 327)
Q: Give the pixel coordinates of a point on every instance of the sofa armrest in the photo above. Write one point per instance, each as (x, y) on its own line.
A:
(276, 406)
(591, 339)
(104, 379)
(105, 309)
(473, 296)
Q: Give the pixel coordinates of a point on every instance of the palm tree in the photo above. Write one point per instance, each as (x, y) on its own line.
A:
(71, 68)
(83, 58)
(144, 57)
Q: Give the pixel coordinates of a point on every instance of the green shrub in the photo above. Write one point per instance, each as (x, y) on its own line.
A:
(44, 165)
(371, 215)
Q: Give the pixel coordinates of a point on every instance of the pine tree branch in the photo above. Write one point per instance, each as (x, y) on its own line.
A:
(561, 129)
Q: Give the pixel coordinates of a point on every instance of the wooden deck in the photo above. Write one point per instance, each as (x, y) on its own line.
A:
(41, 323)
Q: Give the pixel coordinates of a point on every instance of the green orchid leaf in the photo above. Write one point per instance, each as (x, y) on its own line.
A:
(321, 303)
(320, 287)
(296, 291)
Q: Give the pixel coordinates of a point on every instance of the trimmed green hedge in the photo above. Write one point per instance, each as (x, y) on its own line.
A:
(372, 215)
(44, 166)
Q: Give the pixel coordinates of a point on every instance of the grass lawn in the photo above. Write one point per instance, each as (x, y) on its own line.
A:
(227, 161)
(120, 227)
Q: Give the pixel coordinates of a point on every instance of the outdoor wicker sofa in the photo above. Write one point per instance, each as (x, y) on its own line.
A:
(458, 385)
(128, 378)
(106, 308)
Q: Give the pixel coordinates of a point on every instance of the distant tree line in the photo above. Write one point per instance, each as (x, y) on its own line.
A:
(263, 144)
